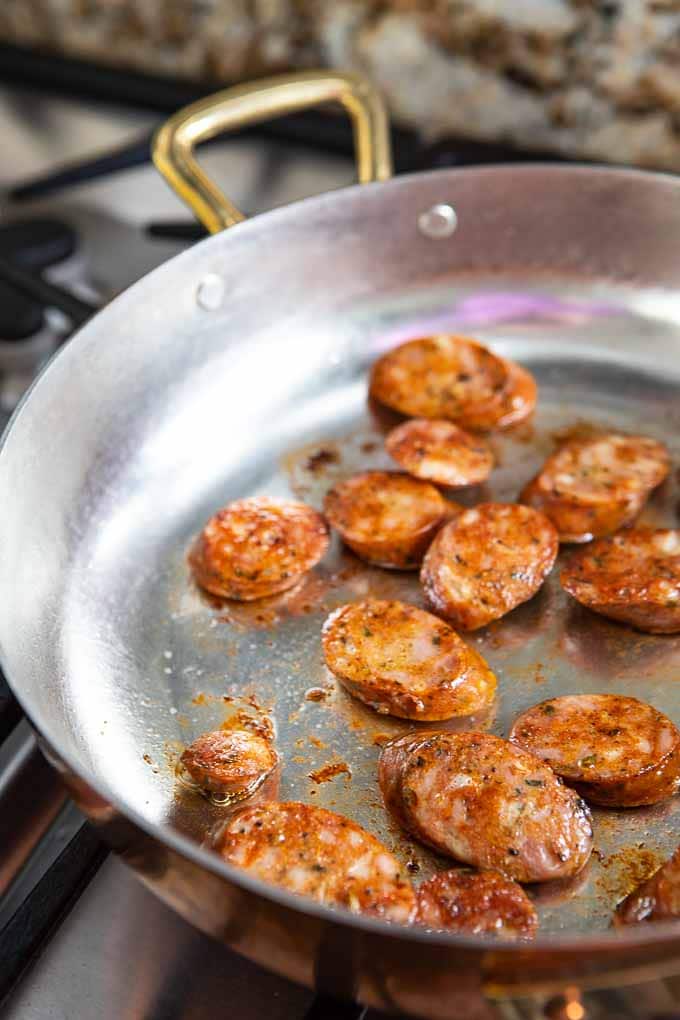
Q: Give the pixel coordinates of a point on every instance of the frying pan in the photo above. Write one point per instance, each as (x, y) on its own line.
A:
(240, 367)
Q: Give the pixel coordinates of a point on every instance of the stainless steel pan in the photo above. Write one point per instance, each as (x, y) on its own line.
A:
(222, 374)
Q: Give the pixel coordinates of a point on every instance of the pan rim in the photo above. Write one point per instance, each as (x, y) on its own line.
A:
(639, 936)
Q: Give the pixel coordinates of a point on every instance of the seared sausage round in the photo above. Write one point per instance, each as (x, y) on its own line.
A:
(442, 376)
(405, 662)
(594, 485)
(615, 751)
(231, 764)
(515, 403)
(386, 517)
(258, 547)
(656, 899)
(317, 853)
(483, 801)
(440, 452)
(487, 561)
(394, 757)
(633, 577)
(478, 903)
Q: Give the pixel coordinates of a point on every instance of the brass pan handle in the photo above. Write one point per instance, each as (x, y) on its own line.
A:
(173, 145)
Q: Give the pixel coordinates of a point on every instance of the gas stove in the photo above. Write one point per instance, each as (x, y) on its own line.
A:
(79, 935)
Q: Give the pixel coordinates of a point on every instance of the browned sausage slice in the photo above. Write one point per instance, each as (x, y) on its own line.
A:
(483, 801)
(231, 764)
(594, 485)
(615, 751)
(405, 662)
(258, 547)
(442, 376)
(317, 853)
(439, 451)
(386, 517)
(487, 561)
(479, 903)
(633, 577)
(657, 899)
(393, 759)
(515, 403)
(581, 522)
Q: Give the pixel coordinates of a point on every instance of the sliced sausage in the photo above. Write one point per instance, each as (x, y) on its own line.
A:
(656, 899)
(442, 376)
(440, 452)
(231, 764)
(633, 577)
(394, 757)
(483, 801)
(515, 403)
(596, 484)
(615, 751)
(317, 853)
(405, 662)
(487, 561)
(386, 517)
(478, 903)
(581, 522)
(258, 547)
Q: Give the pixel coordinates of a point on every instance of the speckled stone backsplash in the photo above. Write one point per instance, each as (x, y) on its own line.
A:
(599, 80)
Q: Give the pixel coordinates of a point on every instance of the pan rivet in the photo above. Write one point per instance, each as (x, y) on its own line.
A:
(438, 222)
(210, 292)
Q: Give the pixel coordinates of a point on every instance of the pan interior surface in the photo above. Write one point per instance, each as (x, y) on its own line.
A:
(160, 412)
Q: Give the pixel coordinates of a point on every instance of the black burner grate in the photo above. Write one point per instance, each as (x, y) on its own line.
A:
(27, 249)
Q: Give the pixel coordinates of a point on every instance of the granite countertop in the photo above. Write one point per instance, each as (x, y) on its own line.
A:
(598, 79)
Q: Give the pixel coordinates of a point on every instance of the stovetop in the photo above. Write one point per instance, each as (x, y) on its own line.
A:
(80, 937)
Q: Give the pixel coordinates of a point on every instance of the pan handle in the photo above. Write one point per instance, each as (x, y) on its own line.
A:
(172, 148)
